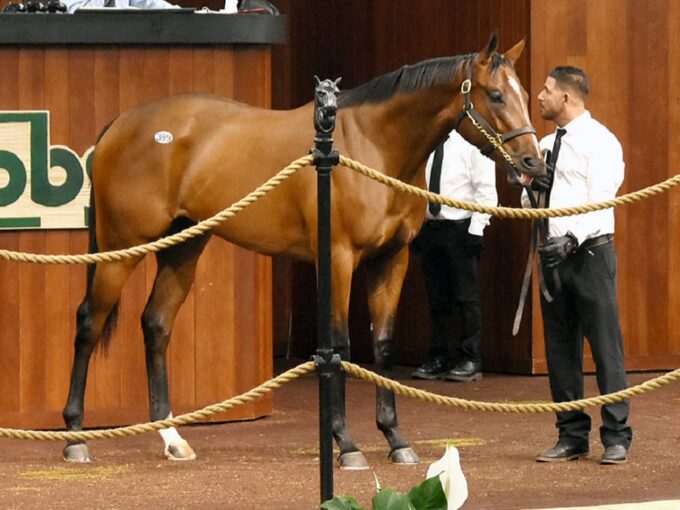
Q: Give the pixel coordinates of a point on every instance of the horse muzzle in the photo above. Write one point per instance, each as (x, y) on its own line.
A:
(525, 170)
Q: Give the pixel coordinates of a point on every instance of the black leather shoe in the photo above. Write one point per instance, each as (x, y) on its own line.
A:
(434, 368)
(562, 452)
(465, 372)
(615, 454)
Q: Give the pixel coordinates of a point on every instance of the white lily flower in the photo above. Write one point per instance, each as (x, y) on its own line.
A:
(451, 477)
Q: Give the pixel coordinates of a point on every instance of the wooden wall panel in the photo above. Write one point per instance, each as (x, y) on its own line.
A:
(630, 51)
(85, 88)
(358, 40)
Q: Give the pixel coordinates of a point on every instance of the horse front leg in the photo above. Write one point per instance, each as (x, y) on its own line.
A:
(176, 271)
(385, 279)
(350, 457)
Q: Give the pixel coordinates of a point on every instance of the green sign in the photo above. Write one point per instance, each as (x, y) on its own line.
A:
(41, 186)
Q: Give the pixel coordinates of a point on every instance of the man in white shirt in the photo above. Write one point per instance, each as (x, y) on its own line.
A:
(585, 165)
(450, 244)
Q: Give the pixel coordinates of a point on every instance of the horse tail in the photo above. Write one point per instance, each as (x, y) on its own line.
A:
(93, 247)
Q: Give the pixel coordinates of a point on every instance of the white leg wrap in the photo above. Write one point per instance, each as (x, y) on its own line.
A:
(176, 448)
(170, 436)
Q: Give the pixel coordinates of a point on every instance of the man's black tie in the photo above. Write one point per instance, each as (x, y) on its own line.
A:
(556, 148)
(436, 177)
(552, 162)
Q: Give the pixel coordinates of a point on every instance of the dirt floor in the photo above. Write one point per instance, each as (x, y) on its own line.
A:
(272, 463)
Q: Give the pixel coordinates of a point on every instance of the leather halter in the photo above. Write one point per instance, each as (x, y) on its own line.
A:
(495, 142)
(469, 110)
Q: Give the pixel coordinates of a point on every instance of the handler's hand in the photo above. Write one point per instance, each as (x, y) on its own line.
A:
(556, 249)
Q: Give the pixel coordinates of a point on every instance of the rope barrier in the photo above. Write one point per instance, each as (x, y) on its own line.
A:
(166, 242)
(500, 407)
(183, 419)
(510, 212)
(355, 371)
(210, 223)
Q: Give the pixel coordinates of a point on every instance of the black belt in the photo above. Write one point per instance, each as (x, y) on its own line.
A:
(446, 223)
(596, 241)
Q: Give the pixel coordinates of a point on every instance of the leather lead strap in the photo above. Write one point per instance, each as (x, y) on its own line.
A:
(538, 229)
(525, 281)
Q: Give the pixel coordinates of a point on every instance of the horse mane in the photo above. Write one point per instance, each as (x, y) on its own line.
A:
(409, 78)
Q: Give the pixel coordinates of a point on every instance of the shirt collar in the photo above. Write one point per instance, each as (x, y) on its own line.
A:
(575, 124)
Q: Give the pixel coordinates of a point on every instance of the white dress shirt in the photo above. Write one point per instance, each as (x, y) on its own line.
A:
(467, 176)
(589, 169)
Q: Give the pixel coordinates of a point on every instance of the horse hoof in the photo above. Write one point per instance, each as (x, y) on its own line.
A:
(404, 456)
(78, 453)
(353, 461)
(180, 451)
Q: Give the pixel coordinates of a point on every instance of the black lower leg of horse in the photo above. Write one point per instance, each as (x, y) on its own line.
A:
(155, 342)
(386, 407)
(340, 429)
(386, 277)
(84, 345)
(174, 277)
(96, 315)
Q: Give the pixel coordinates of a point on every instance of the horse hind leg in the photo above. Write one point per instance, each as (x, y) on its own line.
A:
(176, 270)
(94, 314)
(386, 277)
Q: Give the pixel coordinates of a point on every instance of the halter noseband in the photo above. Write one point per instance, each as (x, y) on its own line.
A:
(495, 140)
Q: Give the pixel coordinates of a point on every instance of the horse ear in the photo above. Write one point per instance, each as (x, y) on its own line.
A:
(337, 82)
(484, 55)
(318, 81)
(515, 52)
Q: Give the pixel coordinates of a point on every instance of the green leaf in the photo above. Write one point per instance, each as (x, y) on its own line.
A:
(387, 499)
(429, 495)
(341, 503)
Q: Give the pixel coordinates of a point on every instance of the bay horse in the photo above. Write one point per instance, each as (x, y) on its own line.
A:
(221, 150)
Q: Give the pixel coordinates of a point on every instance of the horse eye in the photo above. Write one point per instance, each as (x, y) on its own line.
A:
(495, 96)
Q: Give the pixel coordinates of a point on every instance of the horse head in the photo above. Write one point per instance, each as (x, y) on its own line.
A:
(495, 114)
(325, 104)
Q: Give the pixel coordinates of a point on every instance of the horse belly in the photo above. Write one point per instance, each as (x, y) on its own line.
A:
(275, 223)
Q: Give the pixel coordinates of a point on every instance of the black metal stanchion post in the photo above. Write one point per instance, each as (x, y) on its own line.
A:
(328, 363)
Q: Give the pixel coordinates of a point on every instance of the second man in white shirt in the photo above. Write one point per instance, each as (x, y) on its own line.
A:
(450, 244)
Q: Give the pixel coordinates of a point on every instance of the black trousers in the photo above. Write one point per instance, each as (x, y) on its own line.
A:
(586, 306)
(452, 283)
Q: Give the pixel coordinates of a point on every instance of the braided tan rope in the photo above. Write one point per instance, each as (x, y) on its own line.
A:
(184, 419)
(510, 212)
(500, 407)
(166, 242)
(356, 371)
(210, 223)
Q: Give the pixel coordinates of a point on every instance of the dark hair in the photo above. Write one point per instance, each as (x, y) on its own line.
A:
(572, 78)
(405, 79)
